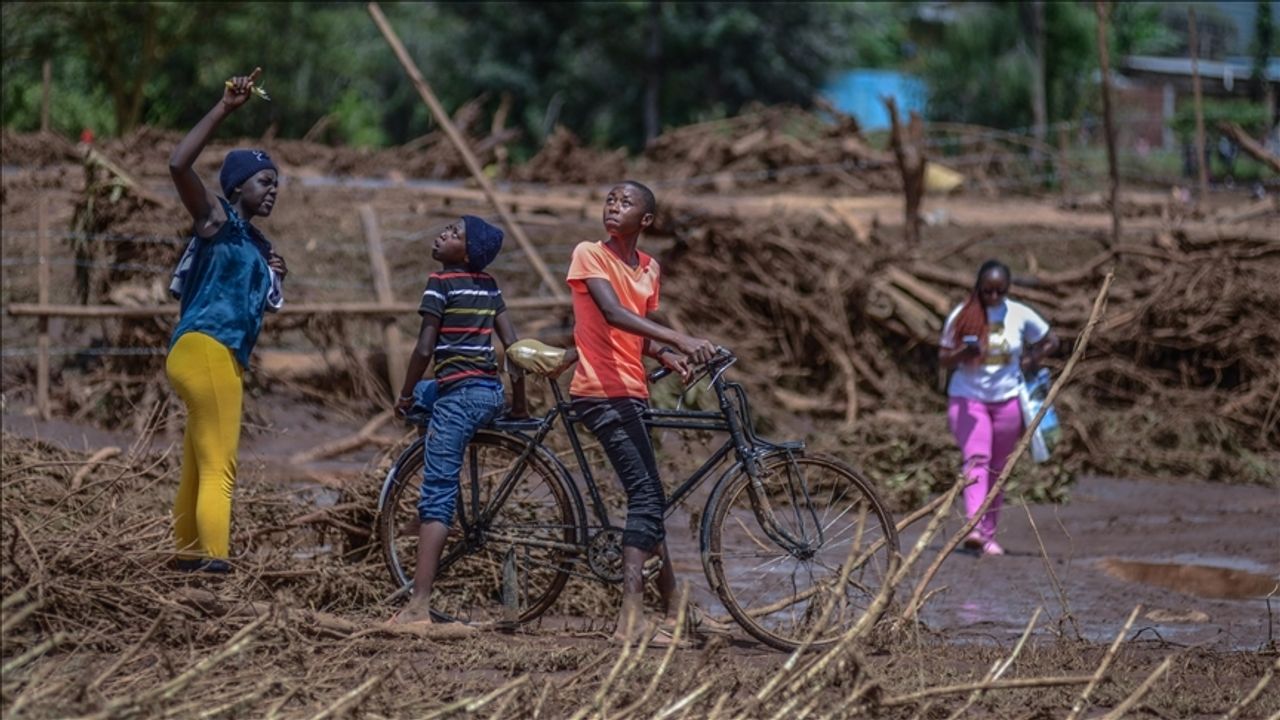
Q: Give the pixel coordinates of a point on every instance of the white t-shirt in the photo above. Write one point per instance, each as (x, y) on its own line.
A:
(998, 376)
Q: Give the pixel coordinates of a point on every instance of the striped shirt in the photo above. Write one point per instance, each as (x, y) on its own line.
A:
(467, 304)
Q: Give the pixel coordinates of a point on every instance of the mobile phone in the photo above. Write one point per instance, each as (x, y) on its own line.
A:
(971, 340)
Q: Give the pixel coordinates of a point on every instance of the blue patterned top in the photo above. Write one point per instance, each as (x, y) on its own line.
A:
(225, 288)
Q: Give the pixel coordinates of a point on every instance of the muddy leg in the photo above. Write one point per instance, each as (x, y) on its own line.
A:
(431, 537)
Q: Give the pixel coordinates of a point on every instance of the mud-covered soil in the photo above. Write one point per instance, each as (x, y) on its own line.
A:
(1211, 625)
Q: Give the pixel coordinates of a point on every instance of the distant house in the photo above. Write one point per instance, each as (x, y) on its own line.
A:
(1149, 90)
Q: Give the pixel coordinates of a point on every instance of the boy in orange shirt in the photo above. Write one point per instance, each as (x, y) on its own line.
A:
(615, 288)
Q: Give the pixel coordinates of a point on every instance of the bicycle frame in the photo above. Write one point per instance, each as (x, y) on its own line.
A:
(734, 419)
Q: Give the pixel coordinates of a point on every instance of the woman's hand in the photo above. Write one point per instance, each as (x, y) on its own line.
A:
(237, 92)
(276, 262)
(966, 354)
(1030, 361)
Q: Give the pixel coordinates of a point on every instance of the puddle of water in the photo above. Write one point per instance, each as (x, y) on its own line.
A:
(1206, 581)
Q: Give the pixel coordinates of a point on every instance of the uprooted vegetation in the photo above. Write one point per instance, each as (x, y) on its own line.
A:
(836, 321)
(96, 625)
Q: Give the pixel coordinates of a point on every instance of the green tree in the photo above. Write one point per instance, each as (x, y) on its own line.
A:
(582, 64)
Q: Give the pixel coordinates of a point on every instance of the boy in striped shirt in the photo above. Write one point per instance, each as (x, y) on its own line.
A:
(461, 310)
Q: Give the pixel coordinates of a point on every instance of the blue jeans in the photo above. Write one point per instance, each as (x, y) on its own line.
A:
(459, 411)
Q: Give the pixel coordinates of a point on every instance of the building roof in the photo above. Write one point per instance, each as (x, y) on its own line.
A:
(1228, 70)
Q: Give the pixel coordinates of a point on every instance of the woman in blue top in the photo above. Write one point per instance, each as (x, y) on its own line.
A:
(224, 295)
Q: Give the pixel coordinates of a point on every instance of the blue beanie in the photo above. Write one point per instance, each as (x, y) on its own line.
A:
(483, 242)
(240, 165)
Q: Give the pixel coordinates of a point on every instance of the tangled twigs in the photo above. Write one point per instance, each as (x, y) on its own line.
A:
(1139, 692)
(984, 686)
(999, 668)
(1083, 701)
(1257, 690)
(131, 705)
(105, 453)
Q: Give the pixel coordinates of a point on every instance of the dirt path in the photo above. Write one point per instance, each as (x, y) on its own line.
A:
(1096, 543)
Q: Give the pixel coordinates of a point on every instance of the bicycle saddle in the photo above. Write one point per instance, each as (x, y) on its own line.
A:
(535, 356)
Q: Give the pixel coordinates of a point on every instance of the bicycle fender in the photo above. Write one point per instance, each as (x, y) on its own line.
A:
(704, 531)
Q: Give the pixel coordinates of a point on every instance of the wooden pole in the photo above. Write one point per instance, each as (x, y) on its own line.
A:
(1202, 167)
(1064, 180)
(42, 292)
(908, 150)
(385, 296)
(1104, 60)
(46, 90)
(469, 158)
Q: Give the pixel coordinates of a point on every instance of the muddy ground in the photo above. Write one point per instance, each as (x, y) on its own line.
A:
(1196, 557)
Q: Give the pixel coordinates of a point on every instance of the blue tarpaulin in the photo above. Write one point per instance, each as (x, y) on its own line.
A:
(858, 93)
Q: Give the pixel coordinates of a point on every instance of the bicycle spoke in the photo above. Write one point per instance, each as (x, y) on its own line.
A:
(781, 593)
(516, 533)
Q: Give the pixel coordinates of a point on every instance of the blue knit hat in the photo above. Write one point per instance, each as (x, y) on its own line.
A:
(483, 242)
(240, 165)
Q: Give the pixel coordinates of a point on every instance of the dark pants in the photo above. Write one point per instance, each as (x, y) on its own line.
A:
(618, 424)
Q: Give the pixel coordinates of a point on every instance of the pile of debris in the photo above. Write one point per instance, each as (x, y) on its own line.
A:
(1180, 379)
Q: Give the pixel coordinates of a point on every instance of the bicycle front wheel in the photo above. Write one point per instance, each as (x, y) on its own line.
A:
(511, 545)
(780, 578)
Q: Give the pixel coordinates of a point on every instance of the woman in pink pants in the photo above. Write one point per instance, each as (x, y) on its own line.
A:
(989, 341)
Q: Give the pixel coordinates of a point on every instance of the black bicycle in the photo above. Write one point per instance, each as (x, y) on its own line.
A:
(779, 530)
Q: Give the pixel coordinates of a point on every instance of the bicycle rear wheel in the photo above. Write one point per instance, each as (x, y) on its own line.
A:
(778, 590)
(512, 542)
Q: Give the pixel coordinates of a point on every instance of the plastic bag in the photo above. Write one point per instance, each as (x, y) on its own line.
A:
(1030, 398)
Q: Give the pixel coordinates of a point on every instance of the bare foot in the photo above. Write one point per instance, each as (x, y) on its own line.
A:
(638, 628)
(412, 615)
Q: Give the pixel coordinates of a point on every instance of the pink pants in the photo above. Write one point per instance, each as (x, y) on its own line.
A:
(986, 434)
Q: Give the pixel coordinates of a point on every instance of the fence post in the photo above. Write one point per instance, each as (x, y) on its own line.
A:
(42, 293)
(1202, 167)
(385, 296)
(46, 90)
(1104, 60)
(1064, 180)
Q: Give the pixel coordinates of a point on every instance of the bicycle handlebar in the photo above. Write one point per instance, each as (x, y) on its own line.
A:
(722, 355)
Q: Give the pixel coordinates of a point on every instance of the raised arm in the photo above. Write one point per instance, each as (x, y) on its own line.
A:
(199, 201)
(696, 349)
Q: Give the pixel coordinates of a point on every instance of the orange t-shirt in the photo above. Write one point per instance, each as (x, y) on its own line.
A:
(610, 361)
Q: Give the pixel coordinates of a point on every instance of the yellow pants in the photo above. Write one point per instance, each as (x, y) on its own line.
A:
(207, 377)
